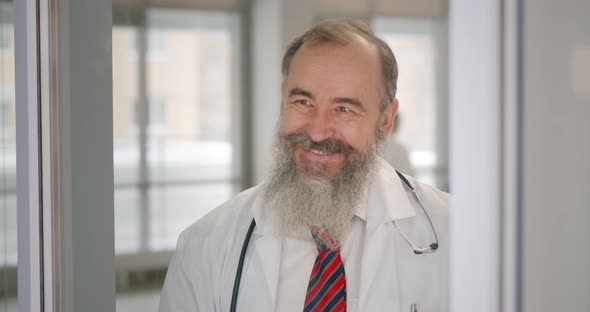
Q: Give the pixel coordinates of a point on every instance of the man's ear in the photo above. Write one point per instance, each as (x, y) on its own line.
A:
(388, 118)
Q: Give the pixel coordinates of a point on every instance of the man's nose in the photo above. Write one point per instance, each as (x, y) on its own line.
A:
(321, 126)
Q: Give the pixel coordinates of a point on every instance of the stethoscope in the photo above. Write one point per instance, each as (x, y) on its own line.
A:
(417, 250)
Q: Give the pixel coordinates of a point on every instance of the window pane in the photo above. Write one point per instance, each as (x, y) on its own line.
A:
(173, 107)
(189, 96)
(174, 101)
(125, 90)
(416, 47)
(174, 89)
(8, 212)
(127, 220)
(173, 208)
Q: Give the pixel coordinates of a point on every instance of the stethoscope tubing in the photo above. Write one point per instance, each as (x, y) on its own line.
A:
(234, 296)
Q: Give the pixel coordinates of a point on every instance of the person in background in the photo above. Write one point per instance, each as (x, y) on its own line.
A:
(333, 227)
(395, 153)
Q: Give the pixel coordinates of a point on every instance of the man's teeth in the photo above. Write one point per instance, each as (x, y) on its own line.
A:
(318, 152)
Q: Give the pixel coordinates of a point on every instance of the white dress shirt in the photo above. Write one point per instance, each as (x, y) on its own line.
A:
(299, 255)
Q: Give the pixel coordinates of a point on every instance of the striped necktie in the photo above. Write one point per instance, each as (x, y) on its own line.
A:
(327, 284)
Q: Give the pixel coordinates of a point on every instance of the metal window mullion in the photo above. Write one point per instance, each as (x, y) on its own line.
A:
(475, 159)
(241, 133)
(174, 183)
(511, 222)
(441, 106)
(29, 200)
(48, 127)
(143, 123)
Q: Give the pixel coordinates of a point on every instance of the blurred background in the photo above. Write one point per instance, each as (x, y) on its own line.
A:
(195, 100)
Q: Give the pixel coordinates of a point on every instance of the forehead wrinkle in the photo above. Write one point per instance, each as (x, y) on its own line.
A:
(300, 91)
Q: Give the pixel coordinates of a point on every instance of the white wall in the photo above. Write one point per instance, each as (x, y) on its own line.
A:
(556, 156)
(520, 151)
(475, 164)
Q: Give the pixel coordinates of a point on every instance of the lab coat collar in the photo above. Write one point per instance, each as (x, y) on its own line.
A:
(268, 246)
(388, 197)
(264, 224)
(387, 201)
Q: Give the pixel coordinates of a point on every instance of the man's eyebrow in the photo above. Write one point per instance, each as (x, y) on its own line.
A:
(299, 91)
(351, 101)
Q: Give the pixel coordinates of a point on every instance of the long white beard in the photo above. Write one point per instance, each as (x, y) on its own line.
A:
(295, 202)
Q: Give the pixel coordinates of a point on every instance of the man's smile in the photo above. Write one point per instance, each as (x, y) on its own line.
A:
(317, 155)
(318, 152)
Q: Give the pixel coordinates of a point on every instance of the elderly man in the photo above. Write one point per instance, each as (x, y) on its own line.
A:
(333, 227)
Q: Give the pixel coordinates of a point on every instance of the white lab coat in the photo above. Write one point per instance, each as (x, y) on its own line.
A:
(202, 271)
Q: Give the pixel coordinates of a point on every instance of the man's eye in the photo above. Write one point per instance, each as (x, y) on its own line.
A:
(303, 102)
(343, 109)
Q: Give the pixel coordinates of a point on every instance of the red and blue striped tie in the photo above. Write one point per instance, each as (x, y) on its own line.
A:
(327, 284)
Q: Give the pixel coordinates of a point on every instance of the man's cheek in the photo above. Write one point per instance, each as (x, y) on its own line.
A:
(293, 121)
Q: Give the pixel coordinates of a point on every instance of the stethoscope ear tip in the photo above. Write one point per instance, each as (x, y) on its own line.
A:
(434, 246)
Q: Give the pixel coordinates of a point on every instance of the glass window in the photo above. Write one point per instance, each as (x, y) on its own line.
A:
(7, 112)
(174, 103)
(417, 47)
(8, 212)
(156, 42)
(7, 37)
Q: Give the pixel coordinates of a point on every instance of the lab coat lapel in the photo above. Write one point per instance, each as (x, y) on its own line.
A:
(387, 200)
(268, 252)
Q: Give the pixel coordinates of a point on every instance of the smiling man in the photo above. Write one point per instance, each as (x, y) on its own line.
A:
(333, 227)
